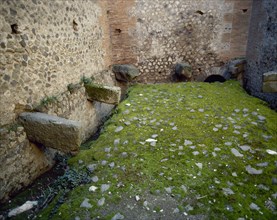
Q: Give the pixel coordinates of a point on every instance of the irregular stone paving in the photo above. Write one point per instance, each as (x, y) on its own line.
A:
(181, 151)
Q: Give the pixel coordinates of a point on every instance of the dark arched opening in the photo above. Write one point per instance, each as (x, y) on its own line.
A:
(215, 78)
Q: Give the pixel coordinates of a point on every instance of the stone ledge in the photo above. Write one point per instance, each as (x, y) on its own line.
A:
(52, 131)
(106, 94)
(270, 76)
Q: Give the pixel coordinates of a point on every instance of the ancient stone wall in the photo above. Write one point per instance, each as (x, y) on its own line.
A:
(47, 49)
(157, 34)
(262, 49)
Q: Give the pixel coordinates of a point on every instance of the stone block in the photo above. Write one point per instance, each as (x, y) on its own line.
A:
(270, 86)
(106, 94)
(52, 131)
(183, 71)
(125, 72)
(270, 76)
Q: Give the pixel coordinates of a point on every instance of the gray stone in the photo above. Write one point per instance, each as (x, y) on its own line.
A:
(245, 147)
(117, 216)
(253, 206)
(118, 129)
(125, 72)
(92, 167)
(104, 187)
(101, 202)
(252, 170)
(264, 164)
(227, 191)
(94, 179)
(52, 131)
(23, 208)
(236, 152)
(274, 180)
(86, 204)
(101, 93)
(183, 71)
(168, 189)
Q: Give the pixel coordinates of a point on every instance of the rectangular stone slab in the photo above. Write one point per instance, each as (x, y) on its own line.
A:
(270, 86)
(52, 131)
(270, 76)
(101, 93)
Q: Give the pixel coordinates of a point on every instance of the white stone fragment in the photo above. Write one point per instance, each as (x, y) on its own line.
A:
(151, 140)
(215, 129)
(92, 188)
(23, 208)
(218, 125)
(199, 165)
(195, 153)
(272, 152)
(184, 188)
(137, 198)
(175, 211)
(187, 142)
(168, 189)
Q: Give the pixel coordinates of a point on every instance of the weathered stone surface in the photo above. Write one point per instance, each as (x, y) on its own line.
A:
(52, 131)
(106, 94)
(183, 71)
(270, 86)
(125, 72)
(270, 76)
(261, 50)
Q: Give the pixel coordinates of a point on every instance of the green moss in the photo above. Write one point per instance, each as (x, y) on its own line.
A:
(97, 92)
(152, 109)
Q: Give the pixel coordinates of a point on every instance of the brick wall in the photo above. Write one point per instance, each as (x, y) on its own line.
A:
(235, 37)
(121, 24)
(155, 35)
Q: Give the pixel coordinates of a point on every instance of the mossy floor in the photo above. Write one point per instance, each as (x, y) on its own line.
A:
(179, 151)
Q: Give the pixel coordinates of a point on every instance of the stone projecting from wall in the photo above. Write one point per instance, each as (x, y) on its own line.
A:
(183, 71)
(52, 131)
(106, 94)
(270, 81)
(125, 72)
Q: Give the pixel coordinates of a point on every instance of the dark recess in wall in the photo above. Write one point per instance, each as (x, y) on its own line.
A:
(14, 28)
